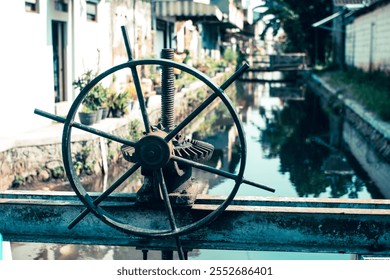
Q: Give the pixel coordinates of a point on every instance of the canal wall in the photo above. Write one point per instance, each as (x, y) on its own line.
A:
(360, 132)
(35, 158)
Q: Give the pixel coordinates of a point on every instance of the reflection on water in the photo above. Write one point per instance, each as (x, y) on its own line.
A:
(101, 183)
(298, 135)
(287, 142)
(288, 149)
(48, 251)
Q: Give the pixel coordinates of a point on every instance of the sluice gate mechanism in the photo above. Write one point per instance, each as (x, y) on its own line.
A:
(164, 155)
(167, 213)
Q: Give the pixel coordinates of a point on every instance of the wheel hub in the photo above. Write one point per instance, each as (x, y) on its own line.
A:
(152, 151)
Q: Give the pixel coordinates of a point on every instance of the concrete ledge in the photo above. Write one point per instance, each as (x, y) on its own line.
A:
(251, 223)
(381, 126)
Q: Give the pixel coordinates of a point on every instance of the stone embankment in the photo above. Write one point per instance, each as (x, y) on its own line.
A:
(361, 132)
(36, 157)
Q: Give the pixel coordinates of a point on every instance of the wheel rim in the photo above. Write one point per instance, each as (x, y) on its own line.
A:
(108, 218)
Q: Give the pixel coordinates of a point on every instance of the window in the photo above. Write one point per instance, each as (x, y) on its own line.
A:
(91, 11)
(61, 5)
(31, 6)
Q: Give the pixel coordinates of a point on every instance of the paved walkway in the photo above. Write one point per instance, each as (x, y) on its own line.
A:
(52, 134)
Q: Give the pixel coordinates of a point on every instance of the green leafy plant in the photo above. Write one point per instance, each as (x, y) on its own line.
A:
(83, 80)
(96, 97)
(58, 172)
(370, 89)
(135, 131)
(88, 167)
(18, 181)
(118, 102)
(230, 56)
(83, 165)
(131, 91)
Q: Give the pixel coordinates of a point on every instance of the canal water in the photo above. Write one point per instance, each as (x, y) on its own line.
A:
(288, 149)
(287, 138)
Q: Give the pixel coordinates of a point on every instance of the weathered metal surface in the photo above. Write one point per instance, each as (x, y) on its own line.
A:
(249, 223)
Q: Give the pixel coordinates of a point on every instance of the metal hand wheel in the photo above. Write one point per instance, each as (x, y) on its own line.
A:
(154, 151)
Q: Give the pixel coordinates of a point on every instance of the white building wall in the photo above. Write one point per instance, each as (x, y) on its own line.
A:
(92, 44)
(368, 40)
(26, 58)
(26, 53)
(26, 75)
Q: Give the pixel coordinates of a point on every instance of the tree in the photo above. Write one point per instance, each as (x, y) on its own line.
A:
(296, 18)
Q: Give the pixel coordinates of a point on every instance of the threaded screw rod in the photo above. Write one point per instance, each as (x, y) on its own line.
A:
(167, 92)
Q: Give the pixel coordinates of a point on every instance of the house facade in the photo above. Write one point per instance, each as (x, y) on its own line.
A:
(51, 43)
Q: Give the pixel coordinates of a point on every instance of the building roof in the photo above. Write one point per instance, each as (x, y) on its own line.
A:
(200, 10)
(351, 3)
(187, 10)
(348, 2)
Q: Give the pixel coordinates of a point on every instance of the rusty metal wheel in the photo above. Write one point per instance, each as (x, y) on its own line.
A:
(162, 153)
(153, 151)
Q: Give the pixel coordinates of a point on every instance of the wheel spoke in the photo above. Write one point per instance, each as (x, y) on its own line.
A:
(220, 172)
(141, 99)
(235, 76)
(206, 103)
(137, 83)
(105, 194)
(85, 128)
(168, 208)
(127, 43)
(191, 116)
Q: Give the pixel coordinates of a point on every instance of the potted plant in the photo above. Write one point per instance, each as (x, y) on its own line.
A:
(131, 93)
(118, 103)
(104, 102)
(93, 102)
(87, 116)
(98, 99)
